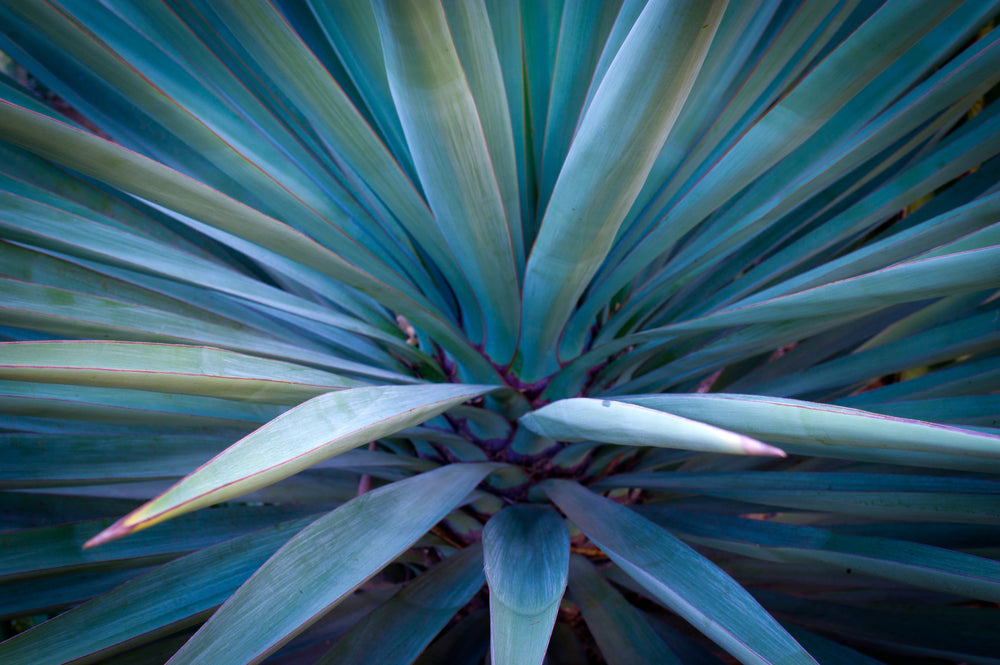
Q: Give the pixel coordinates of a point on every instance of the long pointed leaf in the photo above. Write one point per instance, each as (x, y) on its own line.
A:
(145, 178)
(620, 630)
(680, 578)
(908, 563)
(821, 427)
(188, 370)
(875, 495)
(319, 429)
(670, 41)
(442, 126)
(587, 419)
(396, 632)
(326, 561)
(146, 607)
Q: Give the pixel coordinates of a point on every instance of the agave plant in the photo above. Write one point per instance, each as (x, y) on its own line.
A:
(479, 330)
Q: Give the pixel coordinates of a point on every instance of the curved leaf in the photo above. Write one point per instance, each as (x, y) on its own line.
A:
(607, 421)
(526, 553)
(320, 428)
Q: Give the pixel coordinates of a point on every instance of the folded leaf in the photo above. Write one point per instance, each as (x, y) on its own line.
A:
(526, 551)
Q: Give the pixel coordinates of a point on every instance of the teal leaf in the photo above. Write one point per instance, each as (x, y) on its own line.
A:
(443, 128)
(326, 561)
(189, 370)
(526, 552)
(879, 496)
(620, 630)
(822, 428)
(904, 562)
(679, 578)
(147, 606)
(398, 631)
(654, 70)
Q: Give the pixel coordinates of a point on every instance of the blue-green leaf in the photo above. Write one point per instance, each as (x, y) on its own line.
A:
(823, 429)
(526, 552)
(620, 630)
(56, 550)
(654, 70)
(326, 561)
(881, 496)
(679, 578)
(443, 128)
(908, 563)
(147, 607)
(398, 631)
(189, 370)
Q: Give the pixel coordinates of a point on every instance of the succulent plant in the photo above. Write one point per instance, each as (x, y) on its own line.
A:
(565, 331)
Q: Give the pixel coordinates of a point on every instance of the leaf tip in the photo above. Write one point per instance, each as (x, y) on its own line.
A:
(752, 446)
(113, 532)
(123, 527)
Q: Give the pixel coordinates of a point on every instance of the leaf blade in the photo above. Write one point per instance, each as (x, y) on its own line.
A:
(526, 554)
(608, 421)
(318, 429)
(398, 631)
(450, 151)
(679, 578)
(326, 561)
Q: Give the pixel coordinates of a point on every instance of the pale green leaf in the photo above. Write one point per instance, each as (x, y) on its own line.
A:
(822, 428)
(318, 429)
(190, 370)
(607, 421)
